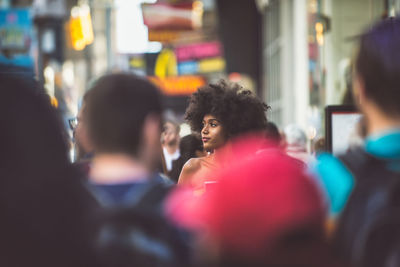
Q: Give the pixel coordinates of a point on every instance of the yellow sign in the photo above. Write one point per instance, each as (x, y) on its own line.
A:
(211, 65)
(166, 64)
(180, 85)
(138, 63)
(76, 33)
(80, 27)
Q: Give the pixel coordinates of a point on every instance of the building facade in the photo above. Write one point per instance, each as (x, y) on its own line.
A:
(308, 46)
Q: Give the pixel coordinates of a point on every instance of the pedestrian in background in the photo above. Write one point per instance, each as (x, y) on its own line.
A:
(170, 140)
(296, 143)
(124, 123)
(190, 146)
(363, 185)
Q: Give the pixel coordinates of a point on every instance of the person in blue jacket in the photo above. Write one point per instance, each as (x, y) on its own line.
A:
(376, 90)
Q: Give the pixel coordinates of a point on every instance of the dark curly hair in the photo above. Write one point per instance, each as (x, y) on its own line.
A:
(238, 109)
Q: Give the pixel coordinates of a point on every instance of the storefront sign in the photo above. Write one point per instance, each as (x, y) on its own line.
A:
(163, 36)
(188, 67)
(173, 16)
(166, 64)
(16, 37)
(198, 51)
(211, 65)
(202, 66)
(137, 63)
(80, 27)
(179, 85)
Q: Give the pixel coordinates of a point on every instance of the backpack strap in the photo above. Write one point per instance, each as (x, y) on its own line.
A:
(370, 210)
(359, 162)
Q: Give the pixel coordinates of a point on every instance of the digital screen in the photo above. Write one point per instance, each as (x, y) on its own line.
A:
(345, 131)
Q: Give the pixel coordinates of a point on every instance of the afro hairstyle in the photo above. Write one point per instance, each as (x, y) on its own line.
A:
(238, 109)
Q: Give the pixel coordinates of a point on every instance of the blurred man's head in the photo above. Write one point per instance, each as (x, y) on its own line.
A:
(377, 84)
(295, 136)
(170, 135)
(123, 114)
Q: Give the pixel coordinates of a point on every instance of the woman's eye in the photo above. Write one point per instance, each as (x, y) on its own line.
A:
(213, 125)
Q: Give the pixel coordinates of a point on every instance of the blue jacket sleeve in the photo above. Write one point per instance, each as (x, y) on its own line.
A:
(336, 180)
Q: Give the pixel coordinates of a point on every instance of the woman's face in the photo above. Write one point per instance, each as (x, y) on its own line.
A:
(212, 133)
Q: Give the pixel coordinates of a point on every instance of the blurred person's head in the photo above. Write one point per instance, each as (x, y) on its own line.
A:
(295, 136)
(272, 133)
(263, 210)
(377, 69)
(124, 117)
(223, 111)
(170, 134)
(191, 146)
(42, 202)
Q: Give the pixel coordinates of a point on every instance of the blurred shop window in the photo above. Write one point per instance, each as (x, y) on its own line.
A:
(131, 33)
(48, 41)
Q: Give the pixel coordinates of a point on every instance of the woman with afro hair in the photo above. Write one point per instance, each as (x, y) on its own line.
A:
(219, 112)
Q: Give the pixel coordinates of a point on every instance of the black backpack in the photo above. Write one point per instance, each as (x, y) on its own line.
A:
(368, 230)
(138, 233)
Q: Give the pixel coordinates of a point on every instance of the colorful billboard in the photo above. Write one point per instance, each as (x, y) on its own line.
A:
(16, 37)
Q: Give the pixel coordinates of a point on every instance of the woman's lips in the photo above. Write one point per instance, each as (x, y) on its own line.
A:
(205, 139)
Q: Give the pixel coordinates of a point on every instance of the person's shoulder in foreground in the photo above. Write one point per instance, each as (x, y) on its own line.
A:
(376, 93)
(336, 178)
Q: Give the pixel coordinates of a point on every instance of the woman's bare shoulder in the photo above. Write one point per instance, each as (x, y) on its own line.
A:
(193, 163)
(190, 167)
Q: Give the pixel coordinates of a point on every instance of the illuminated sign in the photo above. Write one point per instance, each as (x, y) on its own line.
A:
(80, 27)
(188, 67)
(198, 51)
(166, 64)
(179, 85)
(15, 37)
(137, 63)
(202, 66)
(211, 65)
(164, 36)
(173, 16)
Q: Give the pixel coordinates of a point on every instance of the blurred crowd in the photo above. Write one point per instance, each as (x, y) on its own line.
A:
(236, 191)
